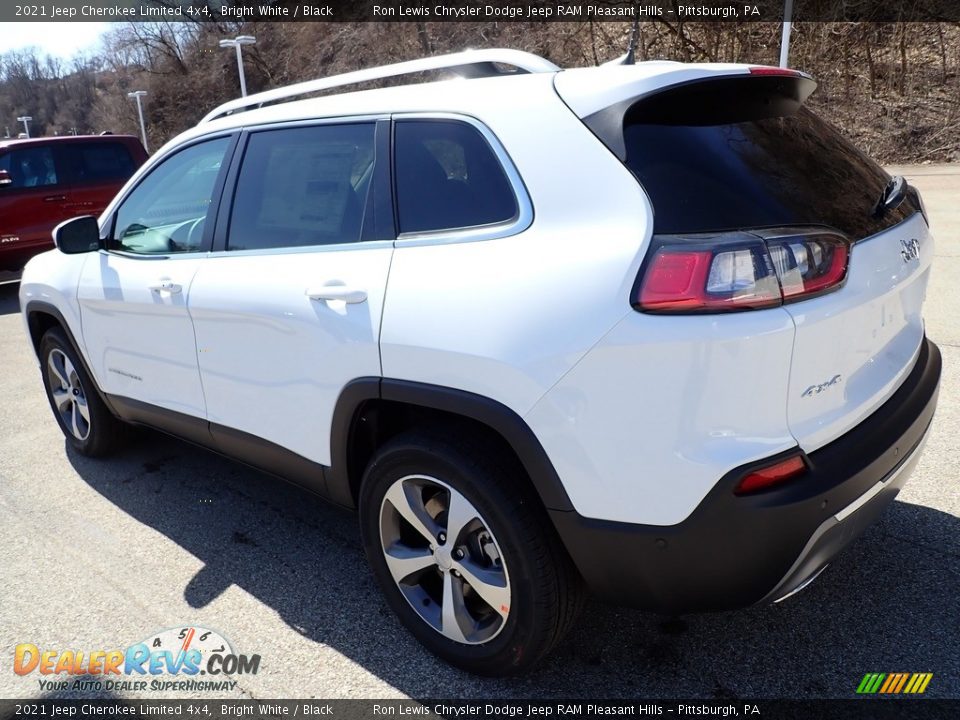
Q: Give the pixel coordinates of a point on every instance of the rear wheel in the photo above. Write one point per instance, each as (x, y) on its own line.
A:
(466, 559)
(84, 419)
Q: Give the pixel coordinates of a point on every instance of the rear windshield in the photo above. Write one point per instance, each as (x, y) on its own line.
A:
(721, 160)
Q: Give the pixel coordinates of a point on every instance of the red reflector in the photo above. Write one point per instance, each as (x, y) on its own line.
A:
(782, 72)
(773, 475)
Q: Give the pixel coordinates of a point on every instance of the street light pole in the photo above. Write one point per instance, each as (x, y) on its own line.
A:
(237, 43)
(25, 119)
(136, 95)
(785, 39)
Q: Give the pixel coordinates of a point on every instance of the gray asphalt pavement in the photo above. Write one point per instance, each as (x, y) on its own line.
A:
(100, 554)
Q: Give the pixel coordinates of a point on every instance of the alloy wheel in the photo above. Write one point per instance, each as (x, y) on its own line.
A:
(66, 391)
(444, 559)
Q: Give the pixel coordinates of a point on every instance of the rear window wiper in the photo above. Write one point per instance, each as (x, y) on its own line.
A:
(893, 194)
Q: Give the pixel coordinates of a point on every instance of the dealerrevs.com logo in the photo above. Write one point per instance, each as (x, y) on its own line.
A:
(169, 660)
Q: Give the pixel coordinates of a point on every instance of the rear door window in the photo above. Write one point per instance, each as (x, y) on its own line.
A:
(448, 177)
(95, 163)
(302, 186)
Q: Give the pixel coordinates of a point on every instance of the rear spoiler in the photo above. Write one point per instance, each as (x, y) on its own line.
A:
(715, 100)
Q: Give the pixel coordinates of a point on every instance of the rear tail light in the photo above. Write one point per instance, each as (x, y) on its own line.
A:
(772, 475)
(739, 270)
(808, 264)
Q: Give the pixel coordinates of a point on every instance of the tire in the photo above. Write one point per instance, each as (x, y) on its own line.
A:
(87, 424)
(510, 587)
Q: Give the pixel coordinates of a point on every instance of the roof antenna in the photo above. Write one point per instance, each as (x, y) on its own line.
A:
(632, 47)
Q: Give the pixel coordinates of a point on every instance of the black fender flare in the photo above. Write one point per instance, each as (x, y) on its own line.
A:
(495, 415)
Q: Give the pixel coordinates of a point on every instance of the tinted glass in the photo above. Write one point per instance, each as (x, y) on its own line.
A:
(29, 167)
(448, 177)
(302, 186)
(792, 169)
(167, 210)
(91, 163)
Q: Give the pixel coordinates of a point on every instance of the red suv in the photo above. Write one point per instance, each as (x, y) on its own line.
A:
(44, 181)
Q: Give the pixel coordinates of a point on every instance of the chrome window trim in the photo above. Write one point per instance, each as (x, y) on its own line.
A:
(300, 249)
(292, 250)
(310, 122)
(514, 226)
(154, 256)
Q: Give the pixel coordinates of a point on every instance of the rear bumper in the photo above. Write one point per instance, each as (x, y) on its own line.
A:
(737, 551)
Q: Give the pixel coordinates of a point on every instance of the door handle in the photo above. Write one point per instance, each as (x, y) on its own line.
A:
(54, 198)
(337, 292)
(166, 286)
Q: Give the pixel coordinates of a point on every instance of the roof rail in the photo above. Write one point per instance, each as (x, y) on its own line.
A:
(474, 63)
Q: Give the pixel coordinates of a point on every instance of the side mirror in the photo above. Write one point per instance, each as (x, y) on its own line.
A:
(5, 178)
(79, 235)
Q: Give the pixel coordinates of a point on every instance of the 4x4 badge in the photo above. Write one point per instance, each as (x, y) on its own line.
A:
(911, 249)
(817, 389)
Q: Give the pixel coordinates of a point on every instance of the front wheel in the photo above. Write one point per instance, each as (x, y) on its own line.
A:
(465, 555)
(86, 422)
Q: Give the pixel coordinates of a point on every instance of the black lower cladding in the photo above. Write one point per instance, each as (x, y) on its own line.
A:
(234, 444)
(734, 551)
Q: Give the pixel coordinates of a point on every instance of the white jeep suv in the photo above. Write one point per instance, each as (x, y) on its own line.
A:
(651, 330)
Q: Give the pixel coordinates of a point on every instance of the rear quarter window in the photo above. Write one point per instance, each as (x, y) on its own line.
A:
(448, 178)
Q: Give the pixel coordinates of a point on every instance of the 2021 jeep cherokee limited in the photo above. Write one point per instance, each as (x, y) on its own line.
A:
(653, 330)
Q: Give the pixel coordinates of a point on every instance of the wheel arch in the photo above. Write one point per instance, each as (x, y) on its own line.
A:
(371, 410)
(42, 316)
